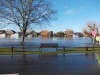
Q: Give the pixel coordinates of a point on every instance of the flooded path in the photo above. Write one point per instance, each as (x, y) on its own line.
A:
(51, 64)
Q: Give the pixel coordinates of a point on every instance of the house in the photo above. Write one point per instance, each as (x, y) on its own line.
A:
(2, 31)
(11, 34)
(2, 34)
(15, 35)
(78, 34)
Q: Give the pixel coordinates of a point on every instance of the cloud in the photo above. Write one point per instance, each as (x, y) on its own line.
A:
(63, 22)
(81, 7)
(66, 7)
(73, 12)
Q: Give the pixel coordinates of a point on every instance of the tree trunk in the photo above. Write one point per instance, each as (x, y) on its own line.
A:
(22, 39)
(94, 40)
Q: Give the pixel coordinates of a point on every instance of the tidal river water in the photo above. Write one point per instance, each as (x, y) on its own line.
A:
(30, 42)
(69, 42)
(51, 64)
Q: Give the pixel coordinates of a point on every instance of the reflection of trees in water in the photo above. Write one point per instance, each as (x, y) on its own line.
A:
(23, 59)
(21, 63)
(48, 56)
(97, 56)
(11, 56)
(94, 57)
(90, 56)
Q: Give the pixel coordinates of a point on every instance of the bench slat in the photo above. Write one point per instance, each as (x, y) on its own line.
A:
(49, 45)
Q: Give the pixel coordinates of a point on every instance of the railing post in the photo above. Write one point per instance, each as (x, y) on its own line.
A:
(86, 48)
(64, 49)
(12, 49)
(93, 48)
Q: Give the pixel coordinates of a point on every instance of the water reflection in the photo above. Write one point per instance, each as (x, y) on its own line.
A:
(60, 64)
(97, 56)
(48, 57)
(93, 57)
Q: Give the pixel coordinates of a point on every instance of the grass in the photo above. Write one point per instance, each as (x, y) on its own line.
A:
(7, 51)
(80, 50)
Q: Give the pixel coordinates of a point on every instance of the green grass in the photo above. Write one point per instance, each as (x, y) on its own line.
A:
(7, 51)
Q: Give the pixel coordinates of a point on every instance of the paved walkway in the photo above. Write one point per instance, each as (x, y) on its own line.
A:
(51, 64)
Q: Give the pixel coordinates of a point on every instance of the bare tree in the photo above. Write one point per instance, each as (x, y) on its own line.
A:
(92, 30)
(69, 32)
(27, 13)
(45, 33)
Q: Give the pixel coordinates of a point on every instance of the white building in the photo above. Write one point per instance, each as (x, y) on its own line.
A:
(30, 36)
(2, 35)
(75, 35)
(15, 35)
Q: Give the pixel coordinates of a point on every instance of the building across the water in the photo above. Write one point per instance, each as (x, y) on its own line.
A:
(2, 34)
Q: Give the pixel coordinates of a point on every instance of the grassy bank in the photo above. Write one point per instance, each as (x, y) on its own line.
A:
(7, 51)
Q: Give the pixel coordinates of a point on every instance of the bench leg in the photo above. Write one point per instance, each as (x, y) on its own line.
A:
(12, 49)
(86, 48)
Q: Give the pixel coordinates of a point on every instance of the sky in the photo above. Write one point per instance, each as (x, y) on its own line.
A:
(72, 14)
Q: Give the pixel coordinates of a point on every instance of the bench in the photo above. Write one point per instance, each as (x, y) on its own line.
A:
(49, 45)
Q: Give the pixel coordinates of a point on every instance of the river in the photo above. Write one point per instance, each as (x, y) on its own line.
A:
(69, 42)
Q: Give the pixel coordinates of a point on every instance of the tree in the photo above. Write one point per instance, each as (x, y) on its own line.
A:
(51, 33)
(69, 32)
(44, 33)
(92, 30)
(60, 34)
(27, 13)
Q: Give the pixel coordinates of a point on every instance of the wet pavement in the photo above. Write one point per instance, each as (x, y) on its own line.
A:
(51, 64)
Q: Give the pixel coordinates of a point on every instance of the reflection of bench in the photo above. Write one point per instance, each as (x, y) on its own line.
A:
(49, 45)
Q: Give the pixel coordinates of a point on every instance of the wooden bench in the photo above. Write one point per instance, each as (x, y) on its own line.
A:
(49, 45)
